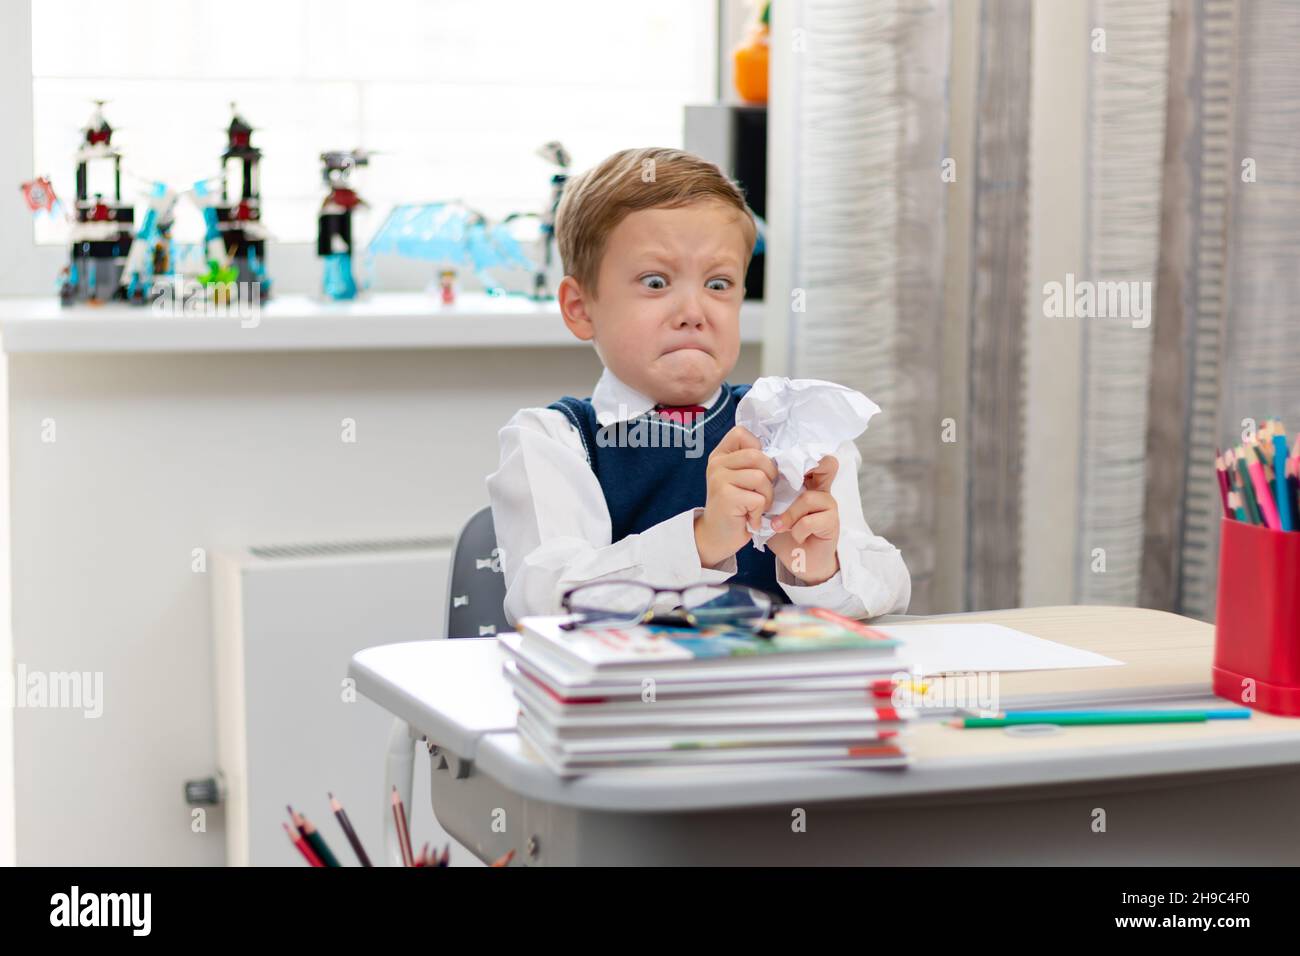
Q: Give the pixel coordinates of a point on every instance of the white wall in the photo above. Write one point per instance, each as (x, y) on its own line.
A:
(158, 455)
(17, 266)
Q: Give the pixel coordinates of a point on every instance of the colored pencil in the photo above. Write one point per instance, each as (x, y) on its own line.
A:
(1259, 479)
(1226, 713)
(313, 838)
(1280, 480)
(970, 723)
(403, 835)
(1256, 453)
(1263, 495)
(1239, 461)
(1236, 500)
(1221, 473)
(342, 816)
(1293, 485)
(302, 846)
(505, 860)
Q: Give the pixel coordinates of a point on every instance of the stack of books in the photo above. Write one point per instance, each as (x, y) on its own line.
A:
(814, 690)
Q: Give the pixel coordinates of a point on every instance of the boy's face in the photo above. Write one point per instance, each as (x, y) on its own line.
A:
(667, 320)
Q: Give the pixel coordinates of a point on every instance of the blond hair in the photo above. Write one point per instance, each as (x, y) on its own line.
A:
(597, 200)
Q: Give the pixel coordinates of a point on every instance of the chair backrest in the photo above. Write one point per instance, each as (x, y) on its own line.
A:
(476, 592)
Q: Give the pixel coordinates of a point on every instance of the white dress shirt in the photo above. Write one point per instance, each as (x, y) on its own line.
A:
(553, 527)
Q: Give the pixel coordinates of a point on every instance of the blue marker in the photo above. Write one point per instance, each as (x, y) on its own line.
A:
(1279, 482)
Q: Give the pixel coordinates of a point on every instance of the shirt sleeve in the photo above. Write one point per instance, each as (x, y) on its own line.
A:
(872, 579)
(553, 527)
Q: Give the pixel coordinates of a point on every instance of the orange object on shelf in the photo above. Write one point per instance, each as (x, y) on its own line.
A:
(749, 62)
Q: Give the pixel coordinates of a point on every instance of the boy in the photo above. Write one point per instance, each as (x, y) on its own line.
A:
(655, 244)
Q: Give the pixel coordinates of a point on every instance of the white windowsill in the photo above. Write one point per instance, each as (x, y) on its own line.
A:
(398, 320)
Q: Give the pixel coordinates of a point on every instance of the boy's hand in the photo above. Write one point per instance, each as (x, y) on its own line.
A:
(739, 480)
(811, 524)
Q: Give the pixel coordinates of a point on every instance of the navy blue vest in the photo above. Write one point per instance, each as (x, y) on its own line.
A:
(651, 469)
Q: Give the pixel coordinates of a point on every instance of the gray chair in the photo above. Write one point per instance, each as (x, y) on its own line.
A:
(476, 592)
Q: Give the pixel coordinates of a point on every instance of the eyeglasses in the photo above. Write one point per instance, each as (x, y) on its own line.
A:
(635, 602)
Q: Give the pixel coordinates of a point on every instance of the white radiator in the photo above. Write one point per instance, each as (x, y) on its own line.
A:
(286, 621)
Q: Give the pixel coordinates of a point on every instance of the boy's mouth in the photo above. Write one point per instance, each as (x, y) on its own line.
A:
(688, 345)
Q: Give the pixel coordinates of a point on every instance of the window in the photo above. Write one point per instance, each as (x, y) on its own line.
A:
(455, 96)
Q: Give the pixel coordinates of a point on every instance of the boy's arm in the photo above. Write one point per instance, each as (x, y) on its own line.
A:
(553, 526)
(872, 579)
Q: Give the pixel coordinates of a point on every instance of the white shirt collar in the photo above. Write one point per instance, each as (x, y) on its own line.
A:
(615, 401)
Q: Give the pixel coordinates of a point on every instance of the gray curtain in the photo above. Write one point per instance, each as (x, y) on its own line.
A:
(1230, 274)
(1261, 335)
(995, 449)
(1183, 94)
(872, 83)
(1127, 85)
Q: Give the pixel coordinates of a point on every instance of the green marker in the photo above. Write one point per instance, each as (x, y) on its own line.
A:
(1179, 717)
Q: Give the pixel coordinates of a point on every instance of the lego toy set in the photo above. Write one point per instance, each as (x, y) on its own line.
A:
(334, 224)
(238, 218)
(102, 226)
(452, 234)
(110, 259)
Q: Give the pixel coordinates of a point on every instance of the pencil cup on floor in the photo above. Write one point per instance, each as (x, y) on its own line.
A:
(1257, 623)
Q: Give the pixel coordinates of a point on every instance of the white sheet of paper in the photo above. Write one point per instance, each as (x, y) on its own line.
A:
(943, 648)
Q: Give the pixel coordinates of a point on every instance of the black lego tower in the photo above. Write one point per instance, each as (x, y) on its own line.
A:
(239, 217)
(103, 226)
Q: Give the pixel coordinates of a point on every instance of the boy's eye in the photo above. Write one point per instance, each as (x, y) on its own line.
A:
(719, 285)
(654, 281)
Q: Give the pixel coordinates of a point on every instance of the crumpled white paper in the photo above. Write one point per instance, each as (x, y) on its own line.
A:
(799, 421)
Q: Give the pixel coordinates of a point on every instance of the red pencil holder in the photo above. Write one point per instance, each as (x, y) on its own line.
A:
(1257, 624)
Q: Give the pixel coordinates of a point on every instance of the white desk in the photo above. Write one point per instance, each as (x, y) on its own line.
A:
(1215, 793)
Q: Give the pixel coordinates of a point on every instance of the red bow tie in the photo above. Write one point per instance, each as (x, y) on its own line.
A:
(681, 414)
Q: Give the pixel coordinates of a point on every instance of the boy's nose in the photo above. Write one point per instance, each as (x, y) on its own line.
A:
(691, 315)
